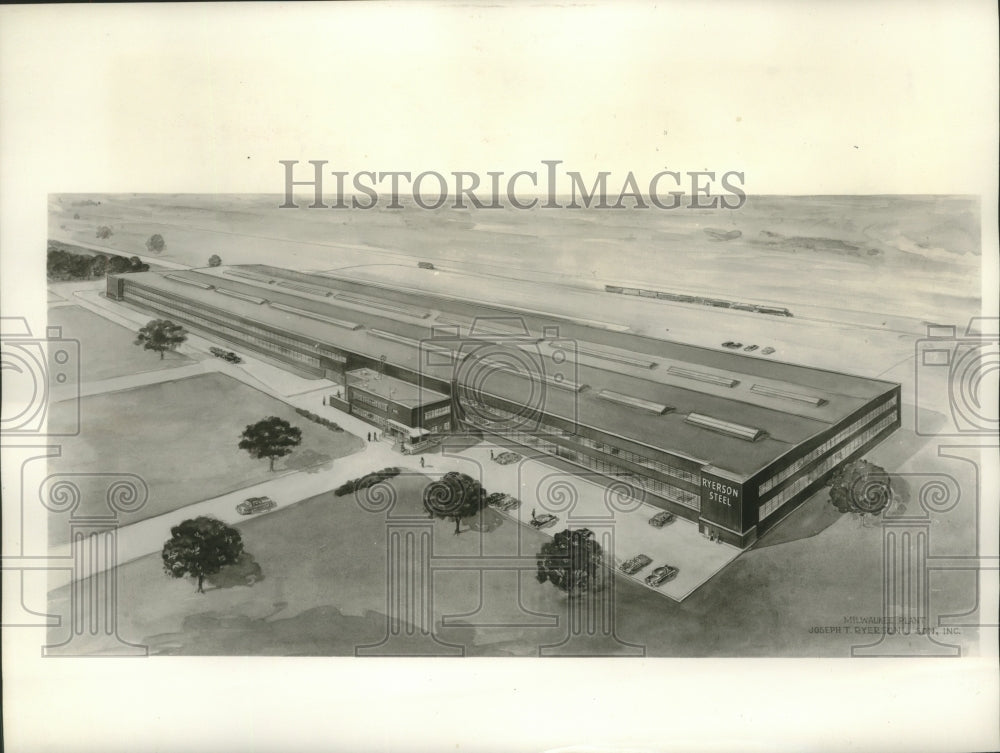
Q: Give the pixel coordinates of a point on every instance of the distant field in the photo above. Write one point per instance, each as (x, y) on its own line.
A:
(180, 437)
(905, 255)
(106, 348)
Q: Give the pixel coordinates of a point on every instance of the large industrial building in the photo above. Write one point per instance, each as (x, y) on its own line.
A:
(731, 441)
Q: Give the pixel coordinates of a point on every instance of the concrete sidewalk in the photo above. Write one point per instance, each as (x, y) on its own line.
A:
(577, 500)
(148, 536)
(539, 485)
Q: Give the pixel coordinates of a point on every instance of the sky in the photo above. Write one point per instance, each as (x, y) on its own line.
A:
(842, 98)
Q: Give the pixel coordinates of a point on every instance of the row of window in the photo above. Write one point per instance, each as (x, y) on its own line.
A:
(825, 447)
(827, 465)
(441, 427)
(437, 412)
(693, 477)
(361, 397)
(660, 488)
(195, 317)
(193, 309)
(379, 421)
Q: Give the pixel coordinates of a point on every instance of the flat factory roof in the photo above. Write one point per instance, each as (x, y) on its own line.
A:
(769, 406)
(396, 390)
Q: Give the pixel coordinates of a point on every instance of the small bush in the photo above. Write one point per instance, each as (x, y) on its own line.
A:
(369, 479)
(331, 425)
(506, 458)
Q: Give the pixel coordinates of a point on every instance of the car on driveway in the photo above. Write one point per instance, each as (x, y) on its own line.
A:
(252, 505)
(544, 520)
(635, 564)
(661, 575)
(502, 502)
(661, 519)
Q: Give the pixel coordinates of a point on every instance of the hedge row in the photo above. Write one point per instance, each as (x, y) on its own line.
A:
(369, 479)
(332, 425)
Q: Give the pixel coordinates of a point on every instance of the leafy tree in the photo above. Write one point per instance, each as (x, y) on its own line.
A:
(860, 487)
(571, 562)
(270, 438)
(156, 244)
(215, 260)
(104, 232)
(99, 265)
(160, 335)
(199, 547)
(455, 496)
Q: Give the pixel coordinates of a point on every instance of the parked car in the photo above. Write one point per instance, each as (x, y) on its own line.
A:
(767, 351)
(750, 348)
(635, 564)
(661, 575)
(731, 344)
(544, 520)
(661, 519)
(503, 502)
(225, 355)
(255, 504)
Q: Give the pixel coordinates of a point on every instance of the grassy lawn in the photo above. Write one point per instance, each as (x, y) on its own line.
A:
(323, 591)
(323, 594)
(180, 437)
(106, 348)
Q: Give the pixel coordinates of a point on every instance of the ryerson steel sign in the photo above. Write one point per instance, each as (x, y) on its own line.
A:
(721, 501)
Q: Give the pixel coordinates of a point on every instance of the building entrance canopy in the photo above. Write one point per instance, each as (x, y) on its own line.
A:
(412, 432)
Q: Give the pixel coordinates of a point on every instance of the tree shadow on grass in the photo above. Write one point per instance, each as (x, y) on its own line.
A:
(244, 572)
(812, 518)
(818, 513)
(309, 461)
(486, 521)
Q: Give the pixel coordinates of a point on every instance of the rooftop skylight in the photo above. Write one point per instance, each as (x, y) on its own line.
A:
(634, 402)
(748, 433)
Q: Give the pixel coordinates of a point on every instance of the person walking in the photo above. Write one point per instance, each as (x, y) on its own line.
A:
(421, 462)
(369, 436)
(491, 455)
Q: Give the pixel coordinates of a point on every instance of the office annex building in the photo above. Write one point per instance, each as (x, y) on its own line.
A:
(731, 441)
